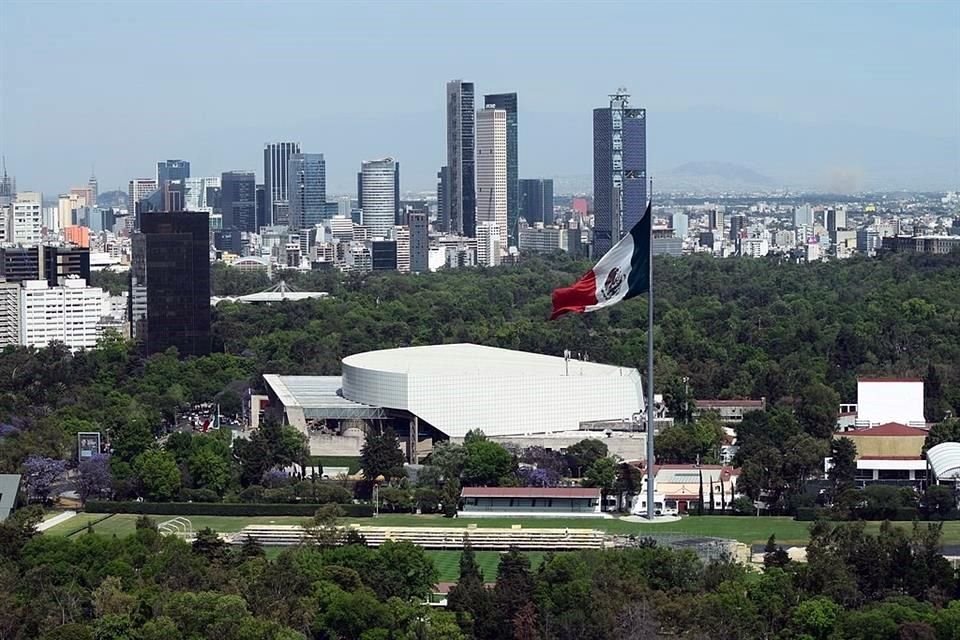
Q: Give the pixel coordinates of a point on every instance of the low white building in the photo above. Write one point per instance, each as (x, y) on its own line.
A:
(68, 313)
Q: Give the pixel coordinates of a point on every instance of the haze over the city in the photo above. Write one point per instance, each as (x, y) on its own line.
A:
(821, 96)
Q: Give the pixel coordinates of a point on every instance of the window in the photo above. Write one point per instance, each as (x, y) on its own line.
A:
(893, 474)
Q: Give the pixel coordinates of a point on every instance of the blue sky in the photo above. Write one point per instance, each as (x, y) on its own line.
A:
(794, 91)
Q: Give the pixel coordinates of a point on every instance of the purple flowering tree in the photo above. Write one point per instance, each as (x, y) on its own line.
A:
(39, 474)
(530, 477)
(95, 480)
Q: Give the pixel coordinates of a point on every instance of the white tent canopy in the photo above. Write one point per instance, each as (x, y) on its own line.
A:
(944, 461)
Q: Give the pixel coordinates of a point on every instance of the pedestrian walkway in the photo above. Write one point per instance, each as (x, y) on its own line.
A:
(63, 516)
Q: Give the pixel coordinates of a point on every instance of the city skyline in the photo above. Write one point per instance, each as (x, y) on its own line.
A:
(821, 118)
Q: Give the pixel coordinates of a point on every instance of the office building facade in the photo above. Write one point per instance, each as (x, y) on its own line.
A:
(461, 139)
(508, 102)
(276, 156)
(26, 218)
(172, 170)
(44, 262)
(491, 163)
(619, 170)
(536, 200)
(170, 283)
(443, 200)
(488, 243)
(9, 313)
(419, 242)
(238, 204)
(681, 225)
(138, 190)
(68, 313)
(307, 190)
(377, 196)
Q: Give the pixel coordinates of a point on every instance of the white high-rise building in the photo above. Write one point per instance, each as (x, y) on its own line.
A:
(137, 190)
(378, 196)
(26, 220)
(402, 235)
(9, 313)
(195, 192)
(488, 243)
(341, 228)
(492, 170)
(69, 313)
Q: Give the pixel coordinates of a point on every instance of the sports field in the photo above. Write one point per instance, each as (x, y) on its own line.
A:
(747, 529)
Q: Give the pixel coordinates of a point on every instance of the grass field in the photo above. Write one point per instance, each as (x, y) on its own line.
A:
(448, 563)
(751, 530)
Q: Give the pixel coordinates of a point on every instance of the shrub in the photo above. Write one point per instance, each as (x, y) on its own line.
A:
(806, 514)
(222, 509)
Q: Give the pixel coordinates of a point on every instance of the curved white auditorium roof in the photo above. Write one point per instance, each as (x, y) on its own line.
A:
(459, 387)
(475, 359)
(945, 460)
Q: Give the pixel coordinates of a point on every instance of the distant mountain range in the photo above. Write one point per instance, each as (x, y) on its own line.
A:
(717, 175)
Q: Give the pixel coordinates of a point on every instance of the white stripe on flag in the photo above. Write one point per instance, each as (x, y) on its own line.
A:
(612, 273)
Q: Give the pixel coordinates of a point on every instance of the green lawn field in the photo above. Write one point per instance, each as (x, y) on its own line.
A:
(748, 529)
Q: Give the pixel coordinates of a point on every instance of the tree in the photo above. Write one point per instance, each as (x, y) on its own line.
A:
(817, 410)
(584, 453)
(946, 431)
(939, 500)
(269, 447)
(381, 455)
(774, 554)
(712, 499)
(843, 469)
(209, 464)
(602, 474)
(513, 591)
(40, 473)
(816, 617)
(470, 600)
(158, 474)
(94, 478)
(487, 462)
(210, 545)
(450, 497)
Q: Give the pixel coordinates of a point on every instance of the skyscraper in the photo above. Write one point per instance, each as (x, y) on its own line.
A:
(307, 189)
(137, 191)
(276, 155)
(261, 204)
(8, 186)
(94, 189)
(492, 169)
(508, 102)
(172, 170)
(419, 242)
(377, 193)
(443, 199)
(619, 170)
(536, 200)
(460, 157)
(488, 243)
(238, 201)
(170, 283)
(26, 218)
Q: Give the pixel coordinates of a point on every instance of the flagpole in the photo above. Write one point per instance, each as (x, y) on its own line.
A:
(651, 511)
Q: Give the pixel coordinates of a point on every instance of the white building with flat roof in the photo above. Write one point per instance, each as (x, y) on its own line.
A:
(68, 313)
(883, 400)
(25, 221)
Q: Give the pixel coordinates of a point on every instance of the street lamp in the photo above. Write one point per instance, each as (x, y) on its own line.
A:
(376, 495)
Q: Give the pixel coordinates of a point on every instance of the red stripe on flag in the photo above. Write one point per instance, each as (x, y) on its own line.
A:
(576, 297)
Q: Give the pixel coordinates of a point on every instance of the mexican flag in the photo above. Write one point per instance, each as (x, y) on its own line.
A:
(619, 275)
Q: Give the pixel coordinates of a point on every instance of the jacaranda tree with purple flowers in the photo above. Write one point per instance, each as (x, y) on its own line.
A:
(95, 479)
(39, 474)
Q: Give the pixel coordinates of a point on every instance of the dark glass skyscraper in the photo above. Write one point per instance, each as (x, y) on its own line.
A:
(172, 170)
(238, 201)
(170, 283)
(508, 102)
(536, 200)
(276, 155)
(461, 141)
(619, 170)
(307, 189)
(443, 199)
